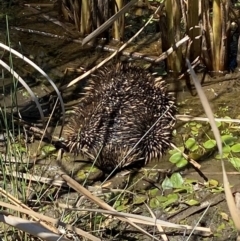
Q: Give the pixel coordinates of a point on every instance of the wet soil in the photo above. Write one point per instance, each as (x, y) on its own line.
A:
(55, 56)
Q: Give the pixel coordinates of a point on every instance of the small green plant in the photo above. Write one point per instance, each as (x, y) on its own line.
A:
(199, 143)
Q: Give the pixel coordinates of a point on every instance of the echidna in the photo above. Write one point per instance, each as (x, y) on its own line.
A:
(119, 106)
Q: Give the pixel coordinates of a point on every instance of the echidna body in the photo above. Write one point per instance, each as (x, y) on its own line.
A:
(118, 108)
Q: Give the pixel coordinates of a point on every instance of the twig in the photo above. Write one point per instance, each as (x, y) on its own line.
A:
(108, 48)
(111, 56)
(192, 118)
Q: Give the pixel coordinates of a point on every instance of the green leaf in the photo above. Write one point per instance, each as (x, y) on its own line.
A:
(161, 198)
(176, 180)
(192, 202)
(81, 175)
(191, 144)
(20, 148)
(176, 157)
(139, 199)
(218, 123)
(167, 184)
(154, 203)
(163, 201)
(173, 151)
(195, 133)
(47, 149)
(235, 161)
(227, 117)
(228, 139)
(194, 128)
(121, 208)
(209, 144)
(182, 163)
(212, 183)
(218, 157)
(236, 148)
(226, 149)
(153, 192)
(199, 125)
(171, 198)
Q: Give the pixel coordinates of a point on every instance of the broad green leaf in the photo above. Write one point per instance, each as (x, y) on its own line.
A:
(199, 125)
(176, 157)
(191, 144)
(162, 198)
(212, 183)
(176, 180)
(171, 198)
(228, 139)
(121, 208)
(153, 192)
(167, 184)
(235, 161)
(236, 148)
(139, 199)
(209, 144)
(218, 157)
(173, 151)
(20, 148)
(191, 202)
(47, 149)
(182, 163)
(226, 149)
(154, 203)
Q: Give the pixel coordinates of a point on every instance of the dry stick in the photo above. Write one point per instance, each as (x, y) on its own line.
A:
(170, 50)
(206, 107)
(41, 132)
(178, 117)
(162, 57)
(141, 219)
(26, 86)
(30, 62)
(133, 55)
(191, 118)
(198, 222)
(108, 48)
(51, 19)
(53, 221)
(159, 227)
(35, 178)
(111, 56)
(76, 186)
(108, 23)
(39, 5)
(31, 227)
(235, 214)
(21, 205)
(43, 135)
(47, 124)
(194, 163)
